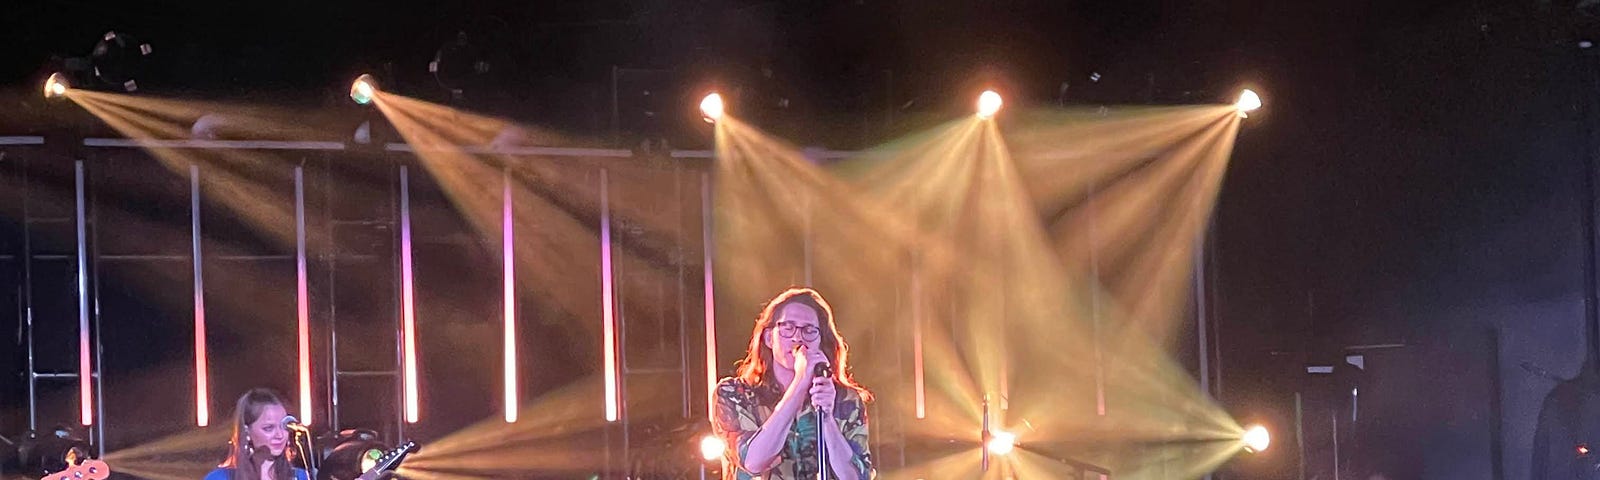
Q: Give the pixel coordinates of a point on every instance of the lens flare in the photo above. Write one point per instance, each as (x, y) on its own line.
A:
(1001, 442)
(1249, 101)
(711, 107)
(712, 447)
(989, 104)
(1256, 439)
(55, 86)
(364, 89)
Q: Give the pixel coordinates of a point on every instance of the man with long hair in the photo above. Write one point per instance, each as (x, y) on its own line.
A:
(765, 412)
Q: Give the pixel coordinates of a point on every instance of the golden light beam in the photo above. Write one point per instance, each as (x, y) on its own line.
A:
(558, 433)
(189, 441)
(1015, 304)
(964, 464)
(242, 180)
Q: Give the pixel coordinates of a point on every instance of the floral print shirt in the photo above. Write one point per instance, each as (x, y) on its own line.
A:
(742, 409)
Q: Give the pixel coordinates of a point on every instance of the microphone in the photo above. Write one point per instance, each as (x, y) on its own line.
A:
(292, 423)
(822, 368)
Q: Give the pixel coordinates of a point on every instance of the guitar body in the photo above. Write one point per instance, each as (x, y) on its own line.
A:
(88, 469)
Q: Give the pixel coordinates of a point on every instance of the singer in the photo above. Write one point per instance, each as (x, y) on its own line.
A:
(767, 413)
(260, 441)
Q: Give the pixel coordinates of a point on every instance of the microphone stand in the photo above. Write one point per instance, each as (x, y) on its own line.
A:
(823, 370)
(302, 442)
(822, 448)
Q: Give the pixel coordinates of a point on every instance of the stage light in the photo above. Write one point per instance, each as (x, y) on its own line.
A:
(712, 447)
(364, 89)
(1256, 439)
(44, 452)
(1001, 442)
(459, 65)
(349, 453)
(118, 60)
(56, 86)
(989, 104)
(1249, 101)
(711, 107)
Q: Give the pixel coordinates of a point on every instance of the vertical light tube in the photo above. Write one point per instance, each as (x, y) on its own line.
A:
(710, 299)
(508, 257)
(408, 327)
(608, 326)
(302, 297)
(202, 389)
(85, 372)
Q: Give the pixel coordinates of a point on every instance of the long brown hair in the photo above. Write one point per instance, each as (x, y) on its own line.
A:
(245, 412)
(756, 367)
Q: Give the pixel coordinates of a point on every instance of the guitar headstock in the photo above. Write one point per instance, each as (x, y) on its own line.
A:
(389, 460)
(88, 469)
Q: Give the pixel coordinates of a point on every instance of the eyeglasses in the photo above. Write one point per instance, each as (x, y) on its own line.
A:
(807, 333)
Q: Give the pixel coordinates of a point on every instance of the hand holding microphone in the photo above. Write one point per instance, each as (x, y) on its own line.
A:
(820, 372)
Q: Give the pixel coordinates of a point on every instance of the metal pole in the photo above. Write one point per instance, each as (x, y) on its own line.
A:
(27, 300)
(99, 347)
(333, 301)
(400, 353)
(683, 314)
(616, 112)
(1590, 282)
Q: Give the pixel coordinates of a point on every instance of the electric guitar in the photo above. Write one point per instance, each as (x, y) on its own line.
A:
(387, 462)
(88, 469)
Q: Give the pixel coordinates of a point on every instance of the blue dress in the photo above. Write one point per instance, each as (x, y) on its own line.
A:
(227, 474)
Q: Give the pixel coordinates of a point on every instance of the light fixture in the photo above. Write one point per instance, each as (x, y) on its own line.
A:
(353, 452)
(711, 108)
(1248, 101)
(712, 447)
(989, 104)
(1000, 442)
(1256, 439)
(56, 86)
(118, 59)
(40, 453)
(364, 89)
(459, 65)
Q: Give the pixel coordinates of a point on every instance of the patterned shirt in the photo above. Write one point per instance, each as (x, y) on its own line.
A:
(742, 409)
